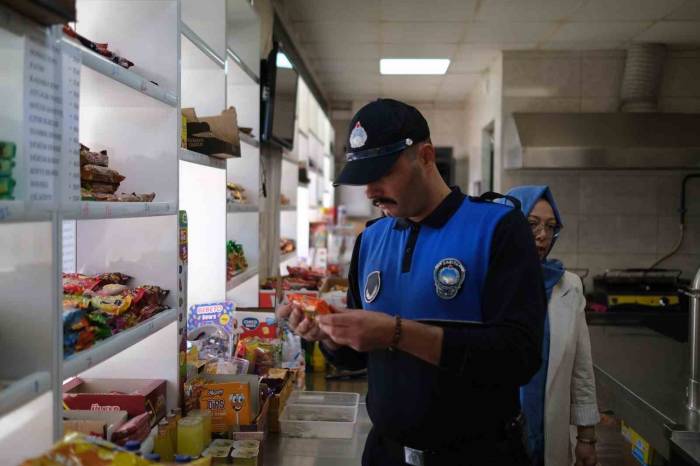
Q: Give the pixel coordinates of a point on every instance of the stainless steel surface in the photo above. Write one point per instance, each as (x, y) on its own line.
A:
(602, 140)
(694, 382)
(644, 375)
(287, 451)
(687, 446)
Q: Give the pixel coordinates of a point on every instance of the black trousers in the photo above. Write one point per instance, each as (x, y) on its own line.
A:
(508, 451)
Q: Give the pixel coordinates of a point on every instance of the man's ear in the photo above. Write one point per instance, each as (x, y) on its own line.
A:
(426, 153)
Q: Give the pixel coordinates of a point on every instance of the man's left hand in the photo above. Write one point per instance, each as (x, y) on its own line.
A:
(359, 329)
(585, 454)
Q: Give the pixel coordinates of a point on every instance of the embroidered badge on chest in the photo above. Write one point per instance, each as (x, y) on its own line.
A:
(449, 275)
(372, 286)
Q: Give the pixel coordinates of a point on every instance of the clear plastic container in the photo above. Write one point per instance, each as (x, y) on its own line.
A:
(320, 415)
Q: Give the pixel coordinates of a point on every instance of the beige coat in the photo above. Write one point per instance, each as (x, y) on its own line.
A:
(570, 394)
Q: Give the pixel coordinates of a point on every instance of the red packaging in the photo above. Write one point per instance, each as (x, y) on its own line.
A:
(135, 396)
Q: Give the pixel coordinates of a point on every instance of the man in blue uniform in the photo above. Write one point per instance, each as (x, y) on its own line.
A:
(446, 305)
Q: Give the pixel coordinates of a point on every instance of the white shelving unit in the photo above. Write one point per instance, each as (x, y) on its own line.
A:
(203, 178)
(243, 93)
(201, 54)
(312, 146)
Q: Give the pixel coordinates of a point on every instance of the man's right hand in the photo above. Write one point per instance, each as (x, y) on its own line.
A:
(300, 324)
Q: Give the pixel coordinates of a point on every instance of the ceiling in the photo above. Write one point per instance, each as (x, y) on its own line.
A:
(343, 40)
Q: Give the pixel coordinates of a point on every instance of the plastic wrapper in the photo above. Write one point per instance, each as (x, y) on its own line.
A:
(310, 304)
(137, 428)
(113, 278)
(6, 167)
(76, 283)
(97, 173)
(114, 305)
(113, 289)
(93, 158)
(81, 450)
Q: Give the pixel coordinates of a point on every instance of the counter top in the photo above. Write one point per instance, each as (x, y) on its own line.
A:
(644, 374)
(288, 451)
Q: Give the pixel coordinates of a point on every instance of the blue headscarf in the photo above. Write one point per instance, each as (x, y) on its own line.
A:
(532, 395)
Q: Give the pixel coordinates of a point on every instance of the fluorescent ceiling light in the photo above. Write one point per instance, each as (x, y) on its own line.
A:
(283, 61)
(413, 65)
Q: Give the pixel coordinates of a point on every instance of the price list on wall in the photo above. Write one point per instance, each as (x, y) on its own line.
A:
(70, 160)
(51, 107)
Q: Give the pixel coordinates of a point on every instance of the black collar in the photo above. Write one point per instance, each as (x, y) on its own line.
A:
(438, 217)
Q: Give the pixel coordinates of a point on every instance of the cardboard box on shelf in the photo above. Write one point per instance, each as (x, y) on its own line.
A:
(98, 423)
(213, 135)
(135, 396)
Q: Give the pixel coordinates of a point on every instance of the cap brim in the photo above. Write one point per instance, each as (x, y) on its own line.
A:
(361, 172)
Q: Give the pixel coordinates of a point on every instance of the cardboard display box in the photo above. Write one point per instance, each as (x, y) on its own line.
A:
(213, 135)
(135, 396)
(98, 423)
(278, 402)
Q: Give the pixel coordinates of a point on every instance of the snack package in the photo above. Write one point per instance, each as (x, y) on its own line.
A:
(229, 403)
(81, 450)
(93, 158)
(215, 326)
(137, 428)
(100, 174)
(310, 304)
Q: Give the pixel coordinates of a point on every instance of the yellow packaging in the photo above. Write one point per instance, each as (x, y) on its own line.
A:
(163, 443)
(183, 133)
(229, 403)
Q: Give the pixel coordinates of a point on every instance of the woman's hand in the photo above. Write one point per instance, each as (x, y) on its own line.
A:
(585, 454)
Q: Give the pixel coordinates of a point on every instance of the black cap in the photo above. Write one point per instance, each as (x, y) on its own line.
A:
(377, 135)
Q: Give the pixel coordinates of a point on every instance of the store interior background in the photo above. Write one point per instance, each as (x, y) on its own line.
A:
(546, 56)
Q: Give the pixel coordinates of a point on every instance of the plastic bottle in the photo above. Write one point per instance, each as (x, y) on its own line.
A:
(205, 415)
(183, 459)
(317, 359)
(164, 444)
(133, 446)
(153, 457)
(190, 436)
(172, 429)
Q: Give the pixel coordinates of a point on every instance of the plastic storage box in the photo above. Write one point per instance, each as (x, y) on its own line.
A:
(320, 415)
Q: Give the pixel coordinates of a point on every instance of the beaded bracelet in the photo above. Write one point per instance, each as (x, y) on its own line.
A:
(397, 334)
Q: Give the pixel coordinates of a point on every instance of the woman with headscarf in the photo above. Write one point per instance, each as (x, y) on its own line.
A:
(562, 392)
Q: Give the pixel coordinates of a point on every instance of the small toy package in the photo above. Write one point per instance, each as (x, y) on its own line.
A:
(214, 328)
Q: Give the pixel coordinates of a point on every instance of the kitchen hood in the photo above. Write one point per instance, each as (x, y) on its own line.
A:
(602, 140)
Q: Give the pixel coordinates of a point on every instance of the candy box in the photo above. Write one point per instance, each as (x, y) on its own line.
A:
(233, 400)
(100, 423)
(216, 324)
(135, 396)
(256, 323)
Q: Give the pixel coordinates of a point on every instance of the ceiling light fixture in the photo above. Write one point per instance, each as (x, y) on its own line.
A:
(283, 61)
(413, 65)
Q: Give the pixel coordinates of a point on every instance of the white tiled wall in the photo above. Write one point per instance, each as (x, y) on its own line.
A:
(613, 218)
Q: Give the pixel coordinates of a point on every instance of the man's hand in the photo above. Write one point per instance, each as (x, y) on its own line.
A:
(585, 454)
(300, 324)
(359, 329)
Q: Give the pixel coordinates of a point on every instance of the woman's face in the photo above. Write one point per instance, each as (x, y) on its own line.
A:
(544, 225)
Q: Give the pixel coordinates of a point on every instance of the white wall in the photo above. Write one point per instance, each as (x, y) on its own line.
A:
(483, 106)
(613, 218)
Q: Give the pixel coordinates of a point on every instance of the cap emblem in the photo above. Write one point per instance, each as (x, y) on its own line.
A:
(358, 136)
